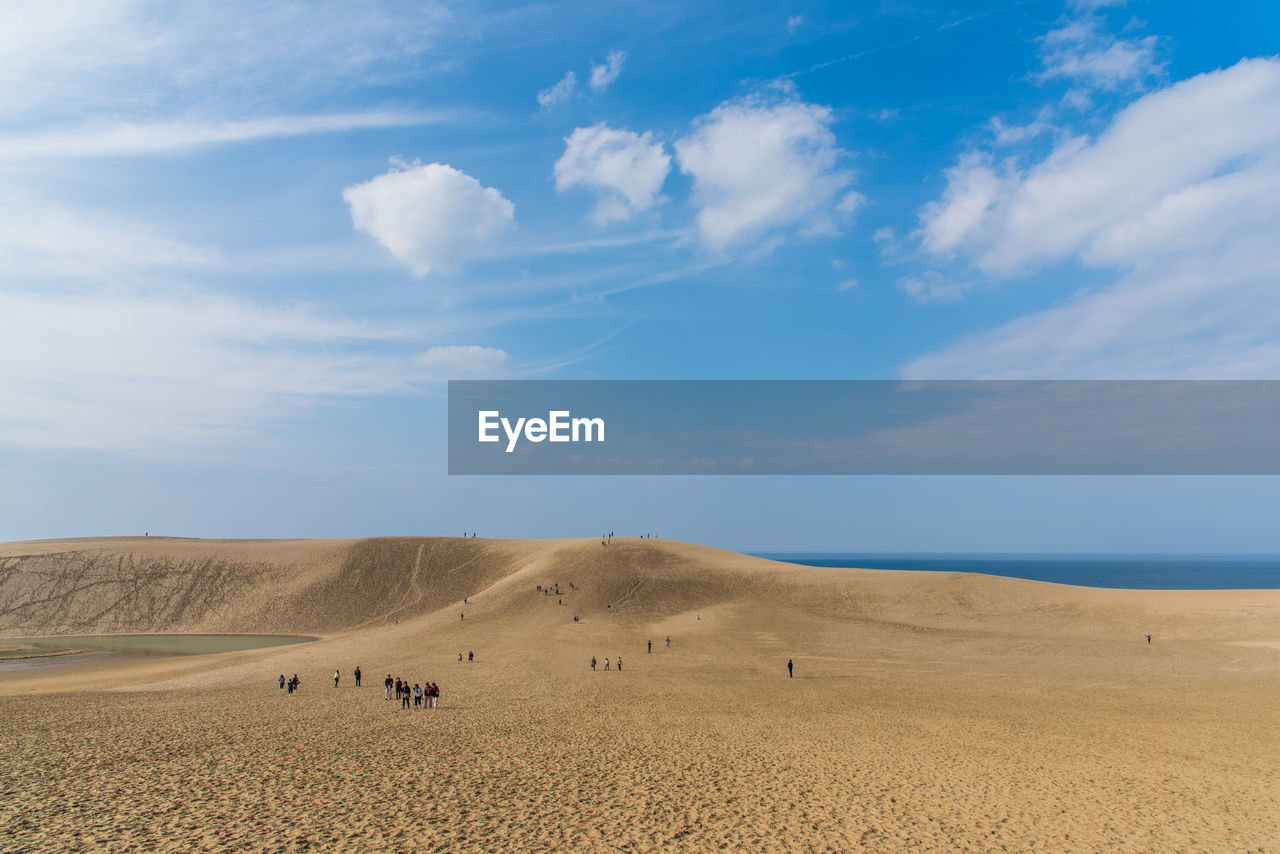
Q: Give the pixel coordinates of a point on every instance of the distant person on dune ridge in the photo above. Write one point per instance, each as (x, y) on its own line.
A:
(790, 669)
(593, 667)
(471, 656)
(668, 640)
(650, 646)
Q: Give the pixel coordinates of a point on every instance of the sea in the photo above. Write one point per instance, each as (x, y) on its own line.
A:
(1133, 571)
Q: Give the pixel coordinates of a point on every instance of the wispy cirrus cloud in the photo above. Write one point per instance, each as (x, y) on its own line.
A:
(103, 139)
(138, 372)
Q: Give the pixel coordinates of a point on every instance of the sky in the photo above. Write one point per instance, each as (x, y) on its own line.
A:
(245, 245)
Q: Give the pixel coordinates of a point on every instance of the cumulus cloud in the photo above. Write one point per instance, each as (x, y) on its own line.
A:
(1169, 173)
(559, 93)
(1080, 51)
(760, 167)
(1181, 194)
(429, 216)
(603, 75)
(107, 371)
(625, 168)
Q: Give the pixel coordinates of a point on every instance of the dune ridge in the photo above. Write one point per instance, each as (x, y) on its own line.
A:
(929, 711)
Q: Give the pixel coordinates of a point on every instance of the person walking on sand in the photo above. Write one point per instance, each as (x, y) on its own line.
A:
(606, 665)
(404, 696)
(1148, 640)
(650, 646)
(593, 670)
(357, 675)
(417, 696)
(619, 663)
(435, 696)
(668, 640)
(335, 678)
(281, 681)
(790, 670)
(388, 683)
(471, 656)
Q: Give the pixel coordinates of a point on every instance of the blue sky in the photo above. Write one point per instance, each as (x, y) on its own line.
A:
(244, 246)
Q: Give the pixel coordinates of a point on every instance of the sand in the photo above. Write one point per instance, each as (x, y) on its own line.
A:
(929, 711)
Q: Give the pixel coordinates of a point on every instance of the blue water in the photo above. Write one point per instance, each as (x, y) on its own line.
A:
(1139, 571)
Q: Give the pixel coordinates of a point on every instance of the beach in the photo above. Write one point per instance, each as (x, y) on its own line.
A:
(928, 711)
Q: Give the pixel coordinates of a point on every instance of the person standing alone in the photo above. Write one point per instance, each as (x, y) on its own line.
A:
(790, 669)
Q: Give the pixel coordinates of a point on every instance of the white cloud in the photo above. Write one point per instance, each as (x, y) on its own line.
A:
(760, 167)
(77, 57)
(1164, 175)
(1181, 193)
(463, 362)
(1006, 134)
(972, 188)
(603, 75)
(137, 372)
(626, 168)
(431, 217)
(846, 285)
(1080, 51)
(97, 139)
(41, 238)
(794, 23)
(559, 93)
(931, 287)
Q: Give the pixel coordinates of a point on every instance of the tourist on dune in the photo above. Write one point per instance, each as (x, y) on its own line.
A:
(335, 678)
(357, 675)
(388, 683)
(281, 681)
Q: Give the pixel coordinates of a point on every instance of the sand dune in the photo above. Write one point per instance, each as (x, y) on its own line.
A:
(930, 711)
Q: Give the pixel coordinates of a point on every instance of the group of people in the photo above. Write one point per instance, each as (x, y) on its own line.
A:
(292, 684)
(606, 663)
(427, 696)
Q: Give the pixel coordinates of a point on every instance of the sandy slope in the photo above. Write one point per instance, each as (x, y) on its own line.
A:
(930, 710)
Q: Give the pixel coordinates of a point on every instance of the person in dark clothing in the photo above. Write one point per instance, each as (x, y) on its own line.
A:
(790, 669)
(404, 697)
(357, 675)
(650, 646)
